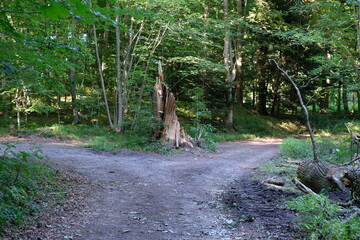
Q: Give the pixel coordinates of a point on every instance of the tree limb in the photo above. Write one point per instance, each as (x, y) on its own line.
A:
(303, 107)
(302, 187)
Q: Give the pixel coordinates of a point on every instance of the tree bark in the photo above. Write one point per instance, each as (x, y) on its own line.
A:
(102, 78)
(345, 97)
(320, 175)
(339, 98)
(119, 89)
(168, 128)
(18, 110)
(238, 52)
(76, 116)
(230, 69)
(4, 97)
(262, 83)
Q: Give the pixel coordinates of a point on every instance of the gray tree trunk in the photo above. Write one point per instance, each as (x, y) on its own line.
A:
(230, 70)
(102, 80)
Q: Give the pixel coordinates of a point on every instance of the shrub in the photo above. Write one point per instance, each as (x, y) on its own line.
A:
(320, 219)
(24, 184)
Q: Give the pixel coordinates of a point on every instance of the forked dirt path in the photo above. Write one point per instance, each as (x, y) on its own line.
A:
(149, 196)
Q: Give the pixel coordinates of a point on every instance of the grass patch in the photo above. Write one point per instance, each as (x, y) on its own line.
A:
(98, 137)
(25, 185)
(335, 149)
(247, 126)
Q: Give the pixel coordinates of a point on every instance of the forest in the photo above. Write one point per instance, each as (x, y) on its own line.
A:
(85, 71)
(96, 62)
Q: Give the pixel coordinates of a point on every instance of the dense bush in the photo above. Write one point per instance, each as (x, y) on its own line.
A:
(25, 184)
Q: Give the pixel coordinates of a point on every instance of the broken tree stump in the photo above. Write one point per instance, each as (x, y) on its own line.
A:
(168, 128)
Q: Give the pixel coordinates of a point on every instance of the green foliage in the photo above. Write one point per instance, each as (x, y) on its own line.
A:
(332, 149)
(320, 219)
(333, 123)
(25, 183)
(252, 126)
(99, 137)
(296, 148)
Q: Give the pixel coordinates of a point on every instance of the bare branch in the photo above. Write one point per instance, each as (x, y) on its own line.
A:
(310, 80)
(302, 187)
(310, 99)
(303, 107)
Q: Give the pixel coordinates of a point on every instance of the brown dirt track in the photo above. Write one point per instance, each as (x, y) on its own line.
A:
(136, 195)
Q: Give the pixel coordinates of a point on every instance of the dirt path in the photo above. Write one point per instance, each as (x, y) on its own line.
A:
(150, 196)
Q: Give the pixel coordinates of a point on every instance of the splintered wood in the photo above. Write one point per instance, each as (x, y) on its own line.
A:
(168, 128)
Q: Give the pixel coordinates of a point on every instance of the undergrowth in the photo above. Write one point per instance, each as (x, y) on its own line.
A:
(321, 219)
(335, 149)
(25, 185)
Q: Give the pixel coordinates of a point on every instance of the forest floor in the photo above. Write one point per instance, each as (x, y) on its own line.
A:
(140, 195)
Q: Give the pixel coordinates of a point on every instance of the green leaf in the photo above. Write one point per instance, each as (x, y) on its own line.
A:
(54, 11)
(6, 26)
(6, 68)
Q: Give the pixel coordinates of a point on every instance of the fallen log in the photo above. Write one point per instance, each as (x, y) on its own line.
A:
(317, 175)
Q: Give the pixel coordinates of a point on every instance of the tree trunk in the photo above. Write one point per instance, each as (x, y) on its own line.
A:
(238, 52)
(339, 98)
(102, 78)
(4, 97)
(168, 128)
(320, 175)
(276, 97)
(76, 115)
(230, 69)
(18, 110)
(119, 91)
(345, 97)
(325, 98)
(262, 83)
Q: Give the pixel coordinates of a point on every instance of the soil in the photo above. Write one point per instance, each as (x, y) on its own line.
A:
(140, 195)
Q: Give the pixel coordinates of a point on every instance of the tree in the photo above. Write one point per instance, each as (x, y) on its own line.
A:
(229, 67)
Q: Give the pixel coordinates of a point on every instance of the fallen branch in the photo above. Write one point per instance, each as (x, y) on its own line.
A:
(274, 181)
(302, 187)
(352, 161)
